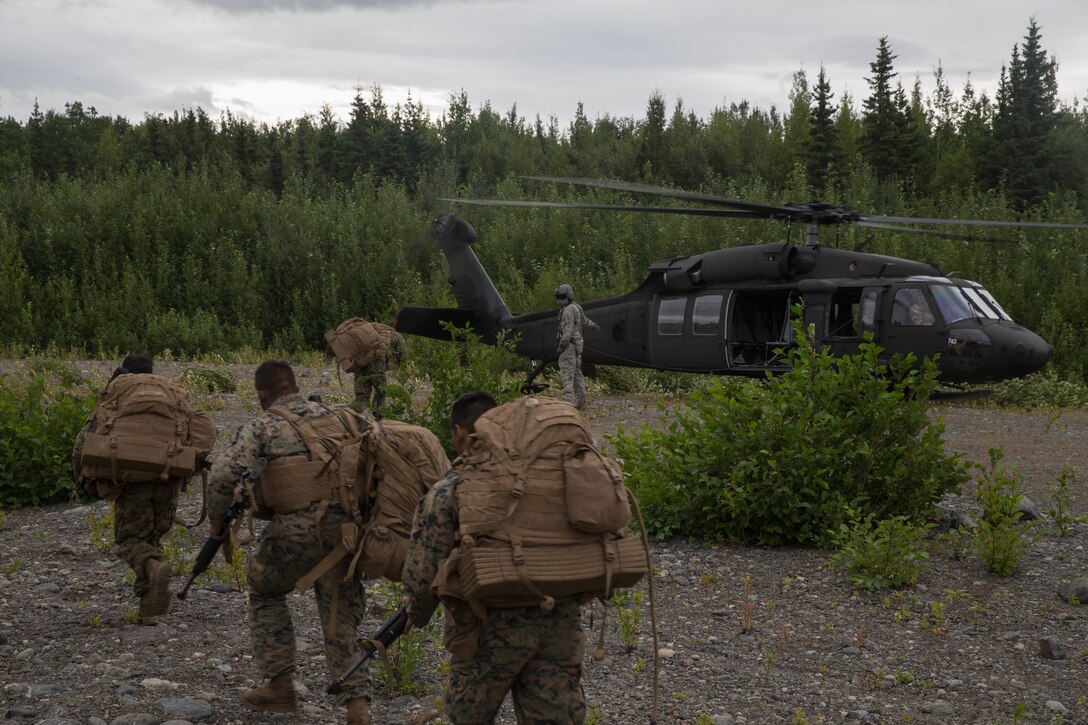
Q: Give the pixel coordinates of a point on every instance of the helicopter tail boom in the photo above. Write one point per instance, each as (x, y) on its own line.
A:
(478, 301)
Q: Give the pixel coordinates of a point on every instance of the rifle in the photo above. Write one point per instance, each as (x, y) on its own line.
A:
(387, 634)
(212, 545)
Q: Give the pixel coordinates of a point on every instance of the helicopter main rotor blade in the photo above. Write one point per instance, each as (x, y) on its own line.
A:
(930, 232)
(731, 213)
(971, 222)
(773, 212)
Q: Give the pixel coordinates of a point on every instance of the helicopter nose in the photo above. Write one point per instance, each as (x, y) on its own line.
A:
(1018, 351)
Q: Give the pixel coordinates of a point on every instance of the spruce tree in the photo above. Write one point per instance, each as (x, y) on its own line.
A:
(1026, 115)
(821, 145)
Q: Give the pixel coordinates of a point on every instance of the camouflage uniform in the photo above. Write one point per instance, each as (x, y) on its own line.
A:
(143, 513)
(370, 381)
(290, 546)
(571, 321)
(533, 653)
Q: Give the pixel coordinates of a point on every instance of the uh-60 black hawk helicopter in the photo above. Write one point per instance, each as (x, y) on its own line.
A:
(729, 311)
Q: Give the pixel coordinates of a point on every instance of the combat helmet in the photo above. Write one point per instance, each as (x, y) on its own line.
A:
(564, 294)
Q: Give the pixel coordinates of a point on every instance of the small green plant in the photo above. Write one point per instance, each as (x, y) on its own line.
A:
(12, 566)
(1061, 516)
(680, 696)
(95, 621)
(709, 578)
(639, 667)
(769, 659)
(704, 719)
(628, 606)
(131, 615)
(800, 717)
(593, 715)
(881, 554)
(405, 657)
(1001, 538)
(902, 616)
(748, 606)
(1018, 711)
(904, 677)
(935, 618)
(101, 529)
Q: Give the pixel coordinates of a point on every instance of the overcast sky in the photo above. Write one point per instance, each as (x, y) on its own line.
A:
(279, 59)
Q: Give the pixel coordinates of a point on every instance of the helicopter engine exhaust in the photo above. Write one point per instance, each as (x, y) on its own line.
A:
(772, 262)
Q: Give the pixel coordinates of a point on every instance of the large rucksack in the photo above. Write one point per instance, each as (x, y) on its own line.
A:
(356, 343)
(398, 463)
(377, 471)
(147, 430)
(541, 511)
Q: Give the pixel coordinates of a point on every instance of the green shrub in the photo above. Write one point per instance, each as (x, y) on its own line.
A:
(453, 369)
(782, 460)
(1001, 537)
(199, 379)
(1044, 388)
(40, 417)
(880, 554)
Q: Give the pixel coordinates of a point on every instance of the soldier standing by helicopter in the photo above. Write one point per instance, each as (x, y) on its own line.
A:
(571, 320)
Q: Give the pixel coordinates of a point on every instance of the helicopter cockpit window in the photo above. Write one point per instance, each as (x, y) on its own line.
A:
(706, 316)
(954, 306)
(910, 308)
(993, 303)
(986, 310)
(670, 316)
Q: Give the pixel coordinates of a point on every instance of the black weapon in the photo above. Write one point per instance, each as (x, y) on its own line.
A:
(213, 544)
(390, 631)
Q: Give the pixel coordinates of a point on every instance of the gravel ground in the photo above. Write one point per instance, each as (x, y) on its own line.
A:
(747, 635)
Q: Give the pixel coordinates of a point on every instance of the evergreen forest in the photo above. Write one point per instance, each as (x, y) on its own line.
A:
(198, 235)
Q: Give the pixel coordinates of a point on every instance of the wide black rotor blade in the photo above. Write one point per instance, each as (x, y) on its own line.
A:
(970, 222)
(696, 211)
(773, 212)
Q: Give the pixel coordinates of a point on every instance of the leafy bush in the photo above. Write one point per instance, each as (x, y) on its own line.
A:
(465, 366)
(1001, 537)
(783, 460)
(199, 379)
(880, 554)
(1044, 388)
(40, 417)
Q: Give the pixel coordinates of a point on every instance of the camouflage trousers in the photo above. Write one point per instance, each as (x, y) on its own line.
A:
(534, 654)
(570, 372)
(142, 515)
(369, 390)
(290, 547)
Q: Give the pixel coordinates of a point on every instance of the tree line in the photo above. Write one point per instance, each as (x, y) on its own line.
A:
(195, 234)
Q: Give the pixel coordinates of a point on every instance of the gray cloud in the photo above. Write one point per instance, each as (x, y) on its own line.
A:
(305, 6)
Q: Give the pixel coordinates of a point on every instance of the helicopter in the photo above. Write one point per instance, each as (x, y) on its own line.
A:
(731, 311)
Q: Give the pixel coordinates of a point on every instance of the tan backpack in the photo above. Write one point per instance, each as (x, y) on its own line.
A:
(376, 471)
(399, 463)
(356, 343)
(541, 511)
(144, 432)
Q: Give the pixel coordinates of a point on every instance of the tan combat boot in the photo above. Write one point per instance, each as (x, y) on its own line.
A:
(358, 711)
(277, 695)
(156, 600)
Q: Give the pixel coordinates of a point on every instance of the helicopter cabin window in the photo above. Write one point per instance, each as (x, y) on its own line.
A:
(706, 315)
(910, 308)
(670, 316)
(844, 312)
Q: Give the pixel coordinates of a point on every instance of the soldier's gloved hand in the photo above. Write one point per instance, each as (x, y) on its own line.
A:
(217, 530)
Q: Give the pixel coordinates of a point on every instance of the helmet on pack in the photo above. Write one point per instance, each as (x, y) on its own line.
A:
(564, 293)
